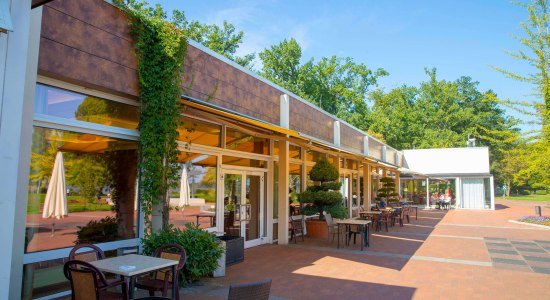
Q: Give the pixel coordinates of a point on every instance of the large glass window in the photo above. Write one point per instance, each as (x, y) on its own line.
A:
(82, 189)
(314, 156)
(240, 141)
(193, 200)
(294, 151)
(65, 104)
(199, 132)
(243, 162)
(295, 186)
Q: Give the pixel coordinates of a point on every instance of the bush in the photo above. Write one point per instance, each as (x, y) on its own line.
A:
(202, 248)
(541, 192)
(104, 230)
(526, 192)
(325, 194)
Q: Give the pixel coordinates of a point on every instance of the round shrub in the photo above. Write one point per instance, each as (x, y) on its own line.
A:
(541, 192)
(203, 249)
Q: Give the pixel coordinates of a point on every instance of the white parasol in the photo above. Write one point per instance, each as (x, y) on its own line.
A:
(55, 204)
(184, 188)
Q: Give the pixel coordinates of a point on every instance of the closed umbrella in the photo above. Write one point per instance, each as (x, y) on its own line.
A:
(184, 188)
(55, 204)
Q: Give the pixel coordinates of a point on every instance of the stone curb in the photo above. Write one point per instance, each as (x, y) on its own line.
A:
(530, 224)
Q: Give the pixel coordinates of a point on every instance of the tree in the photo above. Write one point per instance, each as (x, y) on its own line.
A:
(338, 85)
(325, 195)
(535, 51)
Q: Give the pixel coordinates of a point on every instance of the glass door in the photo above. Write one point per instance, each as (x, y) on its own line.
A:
(244, 205)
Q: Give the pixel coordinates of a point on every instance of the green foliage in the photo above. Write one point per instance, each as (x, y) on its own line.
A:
(387, 191)
(525, 192)
(202, 248)
(338, 85)
(325, 194)
(541, 192)
(98, 231)
(160, 47)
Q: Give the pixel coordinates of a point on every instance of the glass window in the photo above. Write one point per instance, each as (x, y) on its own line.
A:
(92, 178)
(243, 162)
(64, 104)
(294, 151)
(308, 180)
(275, 190)
(313, 155)
(240, 141)
(194, 198)
(275, 148)
(351, 164)
(199, 132)
(295, 177)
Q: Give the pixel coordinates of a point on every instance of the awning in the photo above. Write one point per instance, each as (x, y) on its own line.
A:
(216, 110)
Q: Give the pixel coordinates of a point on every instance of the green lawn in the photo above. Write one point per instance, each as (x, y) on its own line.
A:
(76, 204)
(528, 198)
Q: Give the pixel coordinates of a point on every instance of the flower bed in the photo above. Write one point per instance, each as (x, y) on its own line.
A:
(536, 220)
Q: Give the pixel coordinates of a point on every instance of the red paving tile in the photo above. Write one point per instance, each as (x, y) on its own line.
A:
(405, 263)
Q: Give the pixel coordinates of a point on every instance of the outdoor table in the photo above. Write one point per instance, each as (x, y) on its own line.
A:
(205, 215)
(362, 224)
(143, 264)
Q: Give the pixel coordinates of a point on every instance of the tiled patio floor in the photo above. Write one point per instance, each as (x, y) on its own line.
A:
(442, 255)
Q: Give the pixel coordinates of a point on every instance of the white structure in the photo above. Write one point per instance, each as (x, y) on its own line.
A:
(469, 167)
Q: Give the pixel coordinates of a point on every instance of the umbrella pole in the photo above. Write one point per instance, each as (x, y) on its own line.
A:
(53, 228)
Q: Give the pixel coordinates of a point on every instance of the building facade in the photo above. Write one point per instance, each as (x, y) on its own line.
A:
(70, 90)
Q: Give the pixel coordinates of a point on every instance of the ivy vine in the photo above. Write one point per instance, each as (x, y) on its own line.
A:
(160, 47)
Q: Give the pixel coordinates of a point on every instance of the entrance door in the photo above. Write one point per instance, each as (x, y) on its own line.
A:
(244, 205)
(473, 193)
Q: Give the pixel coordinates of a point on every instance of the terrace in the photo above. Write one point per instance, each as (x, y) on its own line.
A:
(443, 254)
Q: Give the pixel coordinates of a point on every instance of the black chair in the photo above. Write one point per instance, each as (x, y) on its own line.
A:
(250, 291)
(87, 282)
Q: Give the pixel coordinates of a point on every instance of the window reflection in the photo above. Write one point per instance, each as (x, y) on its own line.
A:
(93, 177)
(295, 186)
(240, 141)
(199, 132)
(193, 200)
(243, 162)
(294, 151)
(64, 104)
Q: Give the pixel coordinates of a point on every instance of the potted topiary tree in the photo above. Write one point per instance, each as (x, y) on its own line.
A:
(321, 197)
(387, 192)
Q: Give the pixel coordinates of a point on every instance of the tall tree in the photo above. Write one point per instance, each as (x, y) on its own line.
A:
(338, 85)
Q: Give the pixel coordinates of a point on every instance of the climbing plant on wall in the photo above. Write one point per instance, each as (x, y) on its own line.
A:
(160, 48)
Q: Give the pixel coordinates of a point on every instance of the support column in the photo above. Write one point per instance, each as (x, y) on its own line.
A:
(397, 183)
(492, 191)
(284, 183)
(458, 192)
(367, 181)
(337, 133)
(18, 69)
(427, 193)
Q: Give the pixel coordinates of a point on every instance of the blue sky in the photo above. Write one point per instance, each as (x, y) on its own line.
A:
(457, 37)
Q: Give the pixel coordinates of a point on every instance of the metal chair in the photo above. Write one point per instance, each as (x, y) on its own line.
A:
(250, 291)
(296, 226)
(88, 283)
(162, 280)
(88, 256)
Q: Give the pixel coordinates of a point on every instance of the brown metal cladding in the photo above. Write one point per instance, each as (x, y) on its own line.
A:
(351, 138)
(88, 43)
(310, 121)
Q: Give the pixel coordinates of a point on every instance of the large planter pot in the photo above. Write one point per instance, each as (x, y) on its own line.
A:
(317, 229)
(234, 249)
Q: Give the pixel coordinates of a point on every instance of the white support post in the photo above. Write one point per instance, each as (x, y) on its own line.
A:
(337, 133)
(366, 145)
(368, 186)
(427, 193)
(458, 192)
(282, 204)
(284, 117)
(492, 191)
(18, 69)
(384, 151)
